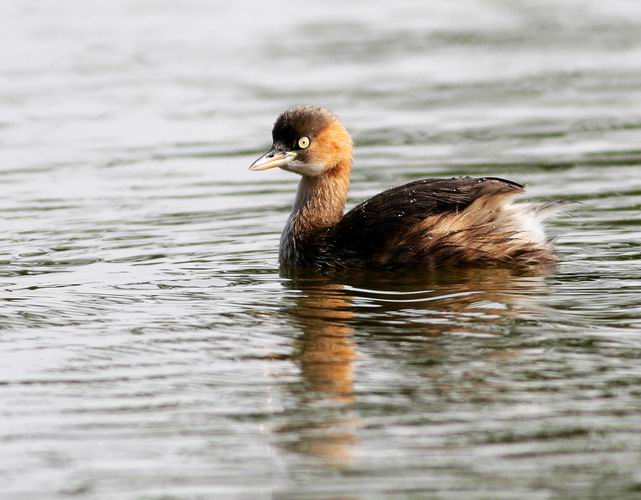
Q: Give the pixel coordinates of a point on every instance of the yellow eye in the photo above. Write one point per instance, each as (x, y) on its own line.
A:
(303, 142)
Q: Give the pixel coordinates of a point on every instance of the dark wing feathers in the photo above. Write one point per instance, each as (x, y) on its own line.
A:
(367, 227)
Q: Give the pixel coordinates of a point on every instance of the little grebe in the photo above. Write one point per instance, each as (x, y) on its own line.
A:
(431, 222)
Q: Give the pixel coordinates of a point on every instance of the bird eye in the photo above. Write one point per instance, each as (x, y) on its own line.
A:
(303, 142)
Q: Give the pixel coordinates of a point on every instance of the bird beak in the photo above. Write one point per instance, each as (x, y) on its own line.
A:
(272, 159)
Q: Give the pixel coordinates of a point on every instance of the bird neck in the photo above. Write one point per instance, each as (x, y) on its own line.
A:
(320, 201)
(319, 206)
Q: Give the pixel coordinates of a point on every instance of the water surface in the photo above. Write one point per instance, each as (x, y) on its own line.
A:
(150, 348)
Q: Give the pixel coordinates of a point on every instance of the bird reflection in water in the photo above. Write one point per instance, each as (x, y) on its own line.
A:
(329, 311)
(325, 352)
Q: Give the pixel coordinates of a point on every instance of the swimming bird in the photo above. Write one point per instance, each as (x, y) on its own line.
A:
(425, 224)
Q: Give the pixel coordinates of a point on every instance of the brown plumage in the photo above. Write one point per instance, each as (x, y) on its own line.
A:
(460, 221)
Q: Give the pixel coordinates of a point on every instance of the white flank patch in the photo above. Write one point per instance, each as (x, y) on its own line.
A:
(528, 222)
